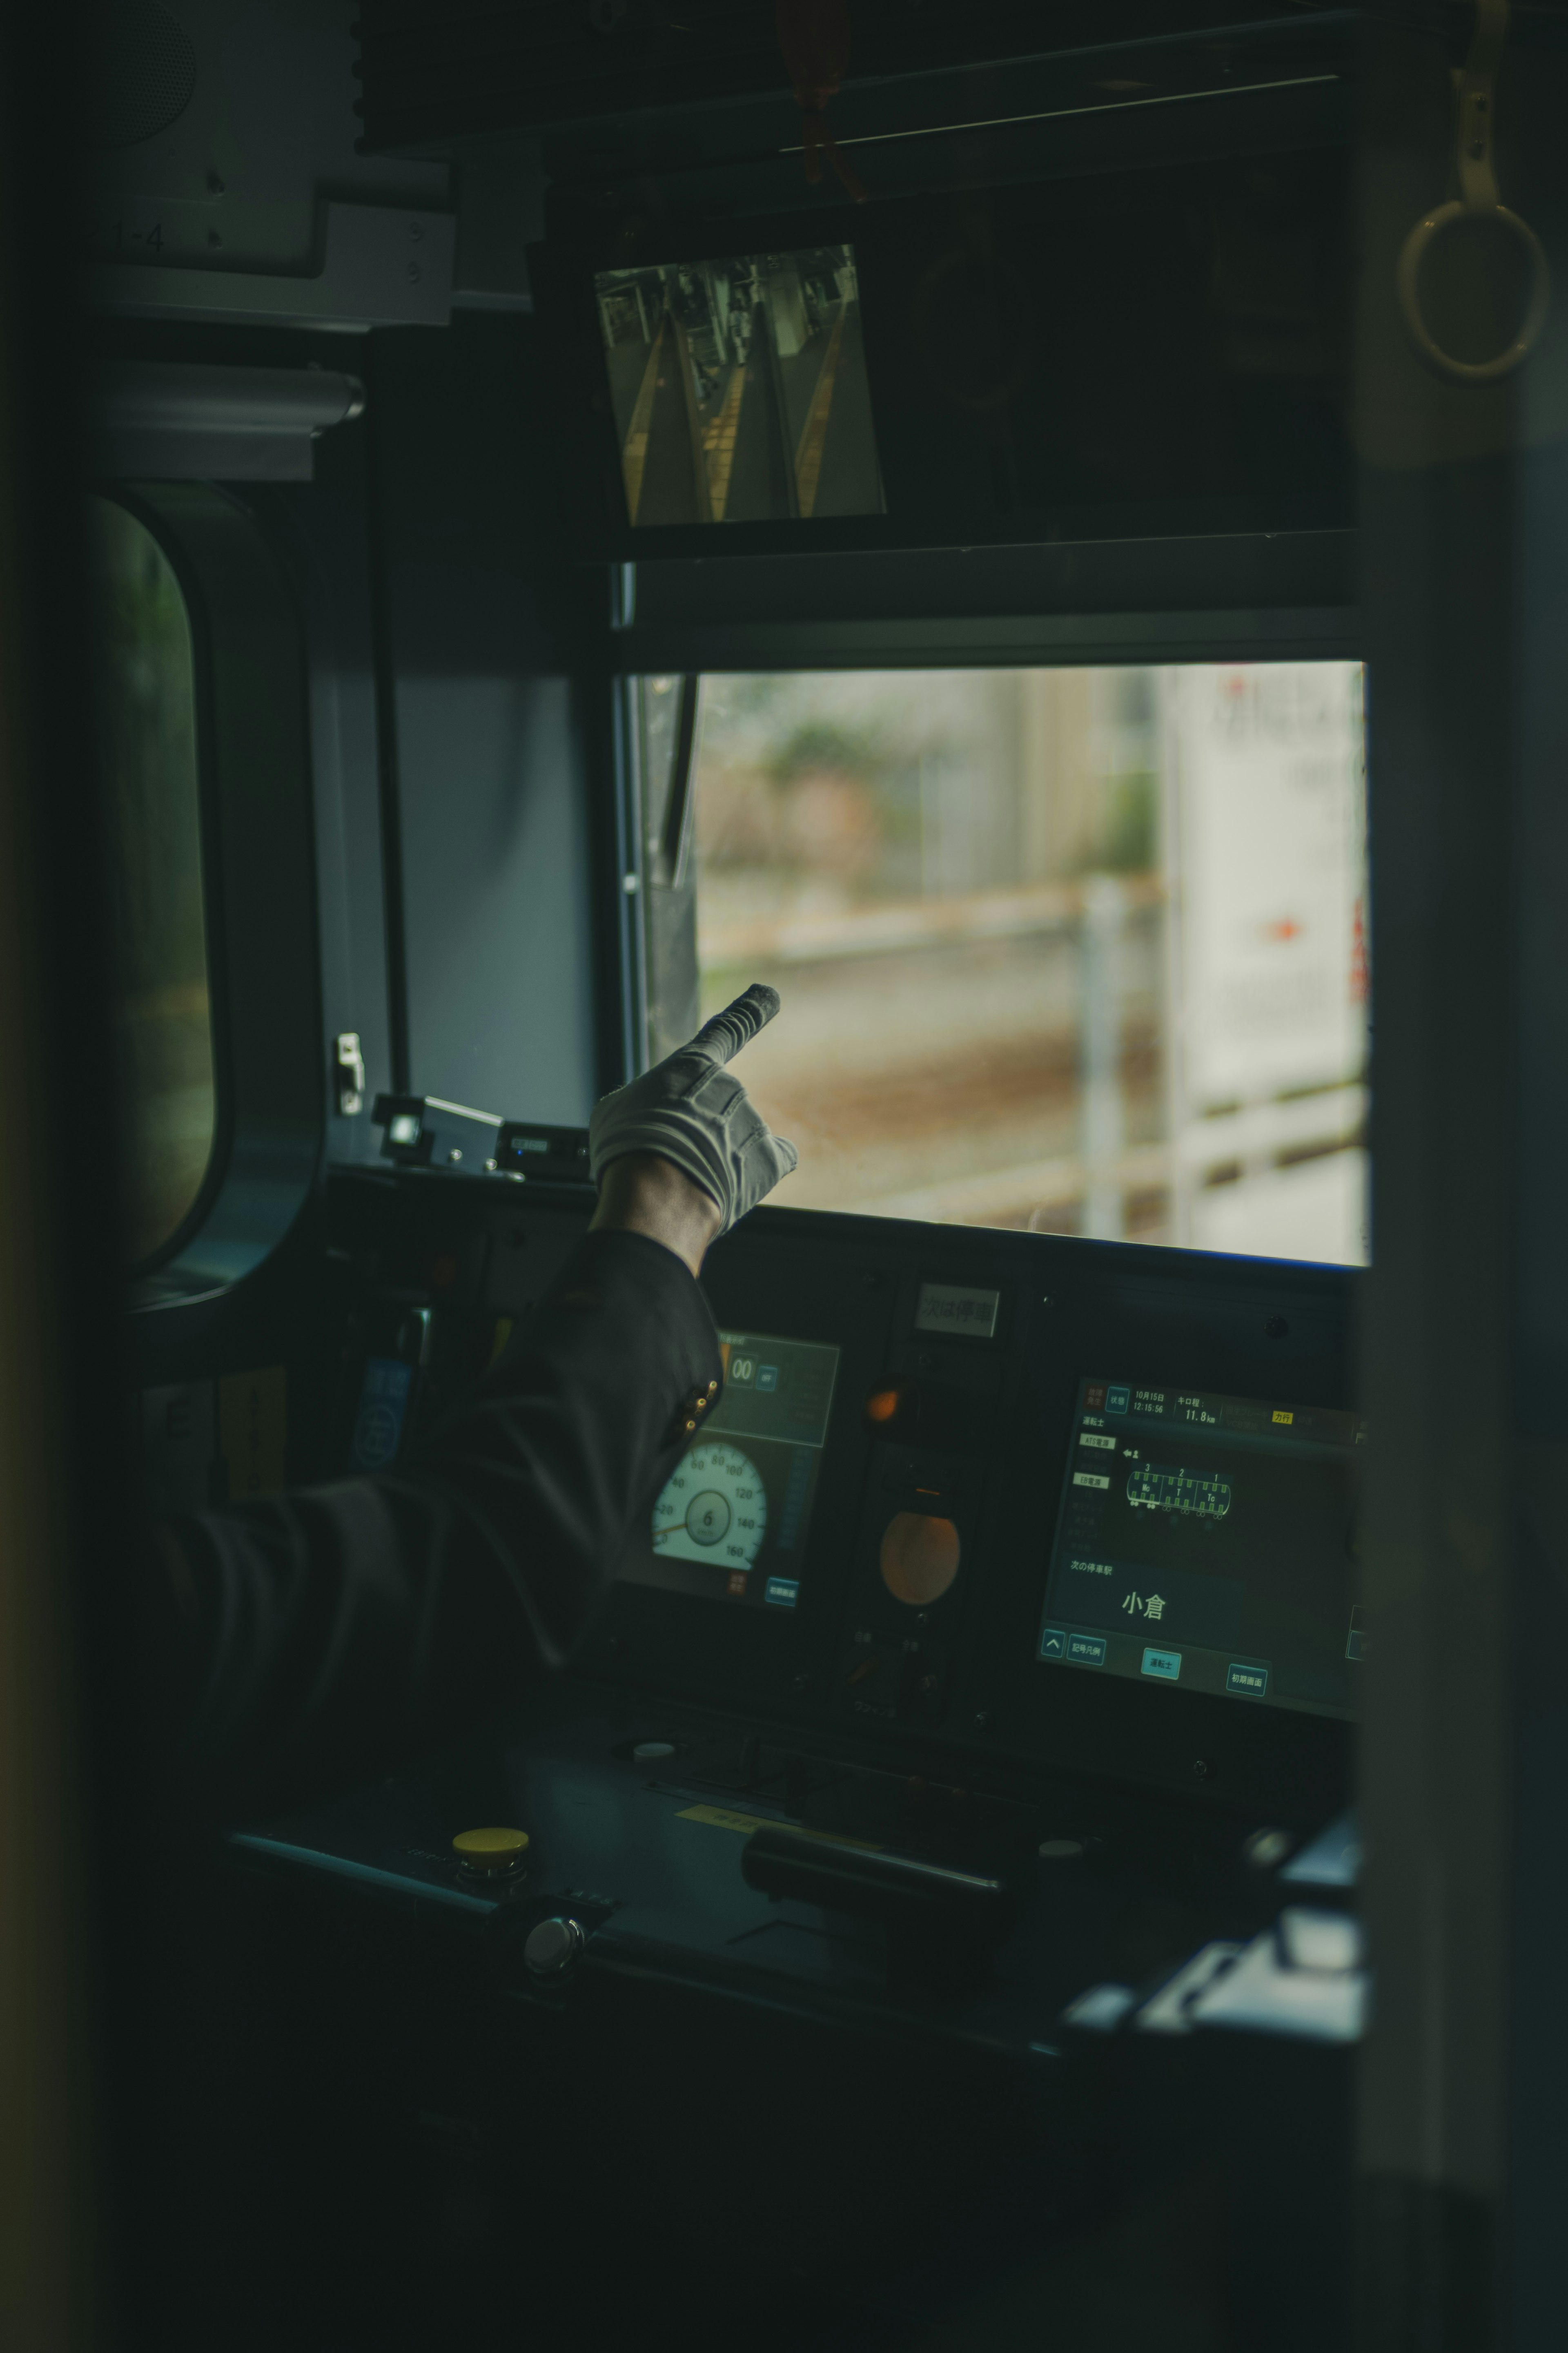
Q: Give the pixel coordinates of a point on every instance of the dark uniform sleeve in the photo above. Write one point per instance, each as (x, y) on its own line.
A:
(310, 1640)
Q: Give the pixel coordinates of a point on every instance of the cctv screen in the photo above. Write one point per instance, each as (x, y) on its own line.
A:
(739, 388)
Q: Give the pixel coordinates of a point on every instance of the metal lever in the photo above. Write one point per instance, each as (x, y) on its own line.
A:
(943, 1926)
(672, 845)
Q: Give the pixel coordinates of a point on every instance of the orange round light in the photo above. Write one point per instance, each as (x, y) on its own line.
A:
(882, 1405)
(919, 1557)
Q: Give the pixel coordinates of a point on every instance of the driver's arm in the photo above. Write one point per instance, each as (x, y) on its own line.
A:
(309, 1639)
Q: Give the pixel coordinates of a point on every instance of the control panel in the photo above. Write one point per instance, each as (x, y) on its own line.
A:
(1057, 1503)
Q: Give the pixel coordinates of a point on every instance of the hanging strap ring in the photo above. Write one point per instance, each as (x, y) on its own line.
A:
(1477, 201)
(1416, 245)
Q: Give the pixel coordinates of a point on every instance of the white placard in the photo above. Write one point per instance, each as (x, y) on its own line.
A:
(1268, 859)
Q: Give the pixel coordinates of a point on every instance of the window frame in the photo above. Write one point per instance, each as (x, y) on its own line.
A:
(1212, 597)
(1094, 605)
(1223, 597)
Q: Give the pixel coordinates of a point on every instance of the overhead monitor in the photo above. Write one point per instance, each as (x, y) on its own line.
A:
(739, 388)
(731, 1523)
(1207, 1543)
(1042, 359)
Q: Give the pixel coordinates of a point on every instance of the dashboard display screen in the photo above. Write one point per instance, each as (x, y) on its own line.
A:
(732, 1520)
(1209, 1542)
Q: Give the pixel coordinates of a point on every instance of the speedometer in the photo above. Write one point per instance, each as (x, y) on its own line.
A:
(714, 1507)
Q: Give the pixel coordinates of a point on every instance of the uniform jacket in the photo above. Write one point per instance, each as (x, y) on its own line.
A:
(311, 1639)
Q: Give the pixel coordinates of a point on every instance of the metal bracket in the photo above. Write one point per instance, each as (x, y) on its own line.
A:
(348, 1072)
(381, 267)
(175, 421)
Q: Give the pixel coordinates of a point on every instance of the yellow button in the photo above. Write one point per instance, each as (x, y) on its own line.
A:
(489, 1849)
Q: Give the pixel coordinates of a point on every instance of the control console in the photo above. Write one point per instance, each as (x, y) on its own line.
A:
(1069, 1503)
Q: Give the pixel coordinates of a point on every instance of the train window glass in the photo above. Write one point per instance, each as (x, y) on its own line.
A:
(162, 1020)
(1083, 950)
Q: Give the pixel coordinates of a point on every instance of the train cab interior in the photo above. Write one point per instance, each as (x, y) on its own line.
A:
(1041, 536)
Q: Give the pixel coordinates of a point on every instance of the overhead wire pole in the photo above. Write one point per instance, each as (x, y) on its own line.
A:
(1099, 995)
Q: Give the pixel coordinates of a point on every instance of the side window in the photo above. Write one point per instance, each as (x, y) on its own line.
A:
(162, 1018)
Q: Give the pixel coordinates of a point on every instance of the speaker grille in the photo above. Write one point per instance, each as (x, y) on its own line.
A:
(150, 73)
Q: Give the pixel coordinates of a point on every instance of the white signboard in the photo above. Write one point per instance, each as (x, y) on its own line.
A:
(1266, 839)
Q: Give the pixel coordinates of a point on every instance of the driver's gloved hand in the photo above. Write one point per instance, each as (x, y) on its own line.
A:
(690, 1110)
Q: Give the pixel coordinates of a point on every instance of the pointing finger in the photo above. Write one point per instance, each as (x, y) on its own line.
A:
(719, 1040)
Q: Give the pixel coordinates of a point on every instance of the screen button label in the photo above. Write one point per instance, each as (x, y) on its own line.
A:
(1089, 1479)
(1053, 1643)
(1117, 1398)
(1086, 1650)
(783, 1591)
(1167, 1664)
(1249, 1682)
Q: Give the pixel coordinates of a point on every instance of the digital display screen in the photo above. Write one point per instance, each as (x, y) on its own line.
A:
(739, 388)
(954, 1307)
(732, 1520)
(1209, 1543)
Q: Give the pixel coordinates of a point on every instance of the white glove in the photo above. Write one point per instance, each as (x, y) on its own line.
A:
(689, 1110)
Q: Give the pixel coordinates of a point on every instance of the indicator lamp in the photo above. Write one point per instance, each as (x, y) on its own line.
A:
(406, 1134)
(919, 1558)
(925, 1413)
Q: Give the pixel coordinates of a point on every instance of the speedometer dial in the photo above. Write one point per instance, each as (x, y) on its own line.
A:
(714, 1507)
